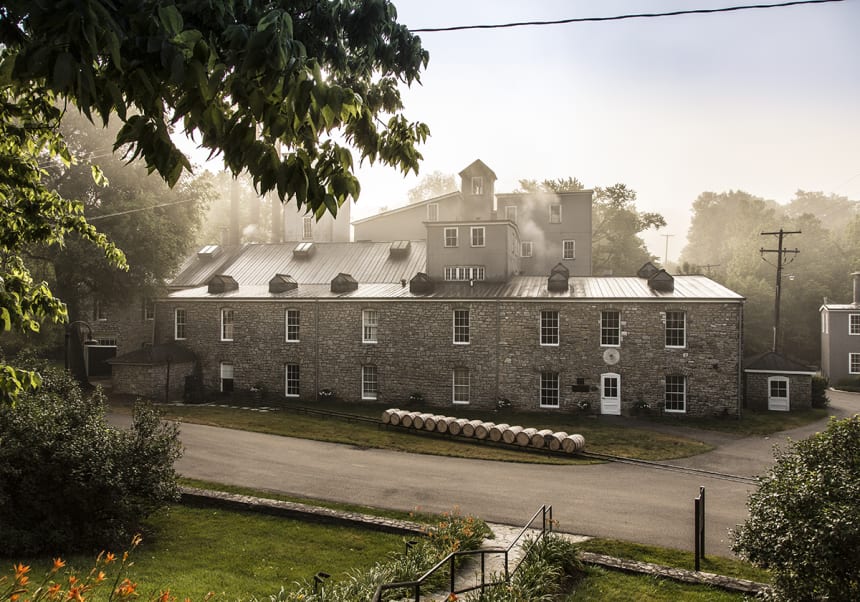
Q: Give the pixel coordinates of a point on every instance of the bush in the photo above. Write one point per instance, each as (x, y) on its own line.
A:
(819, 391)
(69, 481)
(804, 522)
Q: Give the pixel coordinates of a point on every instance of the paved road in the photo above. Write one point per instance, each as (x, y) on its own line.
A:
(628, 502)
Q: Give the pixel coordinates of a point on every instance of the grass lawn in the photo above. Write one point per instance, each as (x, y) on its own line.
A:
(193, 551)
(612, 586)
(752, 422)
(600, 435)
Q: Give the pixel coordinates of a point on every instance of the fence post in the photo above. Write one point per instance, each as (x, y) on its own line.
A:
(452, 574)
(699, 527)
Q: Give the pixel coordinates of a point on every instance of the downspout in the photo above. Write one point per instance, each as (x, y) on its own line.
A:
(316, 347)
(498, 354)
(740, 357)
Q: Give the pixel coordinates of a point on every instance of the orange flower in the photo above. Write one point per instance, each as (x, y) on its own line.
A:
(72, 580)
(109, 557)
(75, 594)
(20, 570)
(165, 596)
(135, 541)
(100, 577)
(127, 588)
(23, 580)
(58, 564)
(53, 591)
(14, 598)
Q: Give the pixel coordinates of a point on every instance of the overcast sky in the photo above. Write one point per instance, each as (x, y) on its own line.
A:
(766, 101)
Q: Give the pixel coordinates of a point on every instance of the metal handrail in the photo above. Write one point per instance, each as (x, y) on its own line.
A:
(546, 526)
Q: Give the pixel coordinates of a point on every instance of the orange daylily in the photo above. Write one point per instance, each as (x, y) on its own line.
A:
(58, 564)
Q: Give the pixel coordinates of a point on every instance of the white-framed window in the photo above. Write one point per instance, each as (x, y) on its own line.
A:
(433, 212)
(675, 395)
(511, 213)
(291, 325)
(676, 329)
(180, 319)
(549, 389)
(451, 238)
(226, 377)
(777, 387)
(291, 376)
(307, 228)
(610, 328)
(526, 248)
(461, 327)
(226, 324)
(461, 382)
(148, 309)
(477, 236)
(555, 213)
(477, 185)
(854, 363)
(854, 324)
(568, 249)
(464, 273)
(369, 325)
(549, 327)
(369, 382)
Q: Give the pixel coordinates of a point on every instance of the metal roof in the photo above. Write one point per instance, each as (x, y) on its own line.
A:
(585, 288)
(771, 361)
(256, 264)
(841, 306)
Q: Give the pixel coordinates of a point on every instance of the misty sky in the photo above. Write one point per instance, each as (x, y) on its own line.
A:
(766, 101)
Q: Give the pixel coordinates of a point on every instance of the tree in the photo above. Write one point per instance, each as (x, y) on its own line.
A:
(616, 247)
(432, 185)
(271, 87)
(804, 522)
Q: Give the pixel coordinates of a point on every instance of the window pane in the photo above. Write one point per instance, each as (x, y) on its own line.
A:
(369, 384)
(854, 323)
(292, 380)
(676, 393)
(226, 377)
(292, 325)
(676, 327)
(549, 389)
(610, 328)
(370, 324)
(549, 328)
(450, 237)
(568, 249)
(226, 324)
(180, 324)
(854, 363)
(478, 236)
(461, 385)
(461, 326)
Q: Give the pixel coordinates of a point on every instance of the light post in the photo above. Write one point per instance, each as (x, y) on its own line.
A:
(88, 340)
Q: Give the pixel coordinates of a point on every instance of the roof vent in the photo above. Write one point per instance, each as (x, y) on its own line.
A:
(303, 249)
(647, 270)
(208, 252)
(662, 281)
(399, 249)
(557, 282)
(282, 283)
(221, 283)
(343, 283)
(560, 268)
(421, 284)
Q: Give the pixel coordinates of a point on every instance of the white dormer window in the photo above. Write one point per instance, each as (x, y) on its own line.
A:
(433, 212)
(477, 185)
(555, 213)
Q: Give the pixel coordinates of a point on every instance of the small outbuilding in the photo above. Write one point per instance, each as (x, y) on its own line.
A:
(153, 372)
(775, 382)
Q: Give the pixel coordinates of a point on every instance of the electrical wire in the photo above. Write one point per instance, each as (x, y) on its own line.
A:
(118, 213)
(697, 11)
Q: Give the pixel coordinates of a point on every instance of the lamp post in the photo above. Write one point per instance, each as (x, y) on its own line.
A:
(89, 338)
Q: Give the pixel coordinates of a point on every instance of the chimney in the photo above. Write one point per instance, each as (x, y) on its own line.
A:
(856, 300)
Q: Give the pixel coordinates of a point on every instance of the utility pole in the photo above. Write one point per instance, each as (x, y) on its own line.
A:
(666, 254)
(780, 262)
(708, 267)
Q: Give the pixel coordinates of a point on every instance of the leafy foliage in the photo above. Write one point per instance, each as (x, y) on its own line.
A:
(804, 522)
(68, 481)
(271, 87)
(432, 185)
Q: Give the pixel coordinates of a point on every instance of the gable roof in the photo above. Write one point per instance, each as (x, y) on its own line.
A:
(256, 264)
(771, 361)
(445, 197)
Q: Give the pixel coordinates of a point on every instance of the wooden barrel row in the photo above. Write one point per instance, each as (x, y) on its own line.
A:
(478, 429)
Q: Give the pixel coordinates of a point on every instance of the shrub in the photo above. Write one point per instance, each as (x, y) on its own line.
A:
(69, 481)
(819, 391)
(804, 522)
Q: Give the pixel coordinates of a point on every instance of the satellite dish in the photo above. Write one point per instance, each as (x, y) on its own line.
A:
(611, 356)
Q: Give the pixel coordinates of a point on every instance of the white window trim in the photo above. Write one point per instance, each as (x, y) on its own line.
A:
(850, 361)
(523, 248)
(564, 249)
(375, 394)
(433, 212)
(445, 238)
(665, 406)
(453, 273)
(665, 330)
(468, 386)
(232, 324)
(602, 344)
(557, 328)
(477, 185)
(541, 404)
(483, 232)
(857, 323)
(287, 326)
(551, 219)
(176, 336)
(223, 377)
(511, 213)
(307, 228)
(287, 379)
(364, 324)
(468, 327)
(780, 379)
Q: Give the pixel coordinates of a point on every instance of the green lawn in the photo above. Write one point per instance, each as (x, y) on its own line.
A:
(612, 586)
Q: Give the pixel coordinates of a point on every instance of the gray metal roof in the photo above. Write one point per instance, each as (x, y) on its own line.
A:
(841, 306)
(585, 288)
(256, 264)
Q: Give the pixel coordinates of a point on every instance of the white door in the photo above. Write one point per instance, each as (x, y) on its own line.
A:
(778, 394)
(610, 394)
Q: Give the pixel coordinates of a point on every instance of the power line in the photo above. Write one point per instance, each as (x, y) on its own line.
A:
(697, 11)
(98, 217)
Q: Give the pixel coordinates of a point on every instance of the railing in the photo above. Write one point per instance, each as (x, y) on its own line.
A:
(450, 561)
